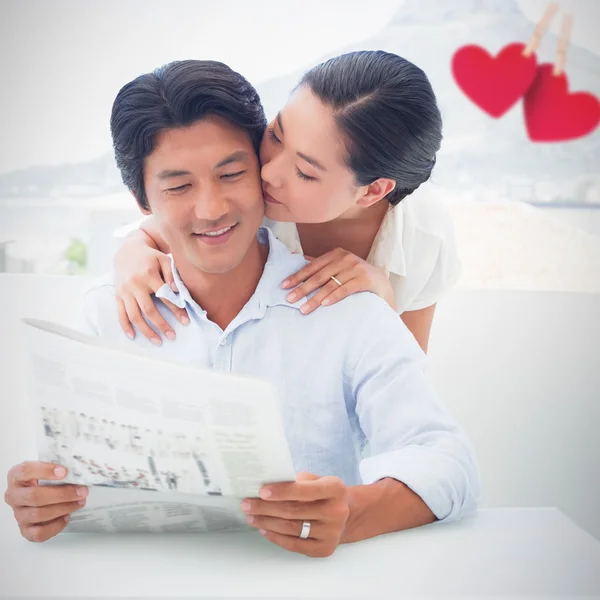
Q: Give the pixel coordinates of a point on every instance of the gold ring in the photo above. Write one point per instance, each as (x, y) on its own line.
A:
(336, 280)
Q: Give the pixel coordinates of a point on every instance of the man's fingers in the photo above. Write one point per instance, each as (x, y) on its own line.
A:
(312, 548)
(293, 511)
(323, 488)
(43, 495)
(32, 470)
(29, 516)
(135, 316)
(285, 526)
(42, 533)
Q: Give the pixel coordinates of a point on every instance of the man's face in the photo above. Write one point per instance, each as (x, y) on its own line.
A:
(205, 179)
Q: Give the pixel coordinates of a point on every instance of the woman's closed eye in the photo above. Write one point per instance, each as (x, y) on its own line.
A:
(271, 133)
(304, 176)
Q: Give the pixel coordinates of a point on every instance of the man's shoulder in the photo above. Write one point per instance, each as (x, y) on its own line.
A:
(363, 314)
(99, 307)
(364, 325)
(101, 316)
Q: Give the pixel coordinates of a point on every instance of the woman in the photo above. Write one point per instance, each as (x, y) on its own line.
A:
(358, 136)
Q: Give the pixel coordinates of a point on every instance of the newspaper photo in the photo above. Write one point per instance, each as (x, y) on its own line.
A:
(162, 446)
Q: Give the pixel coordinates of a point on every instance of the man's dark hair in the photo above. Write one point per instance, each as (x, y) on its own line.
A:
(177, 95)
(387, 113)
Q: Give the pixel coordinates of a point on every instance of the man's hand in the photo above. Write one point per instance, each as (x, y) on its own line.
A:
(283, 507)
(42, 511)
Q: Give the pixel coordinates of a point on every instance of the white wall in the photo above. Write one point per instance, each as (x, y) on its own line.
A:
(520, 370)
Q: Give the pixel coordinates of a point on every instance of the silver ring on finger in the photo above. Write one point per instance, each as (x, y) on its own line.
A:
(305, 530)
(336, 280)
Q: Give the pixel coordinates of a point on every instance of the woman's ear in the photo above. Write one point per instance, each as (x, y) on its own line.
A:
(376, 191)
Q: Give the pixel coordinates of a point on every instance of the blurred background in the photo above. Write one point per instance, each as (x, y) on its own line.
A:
(527, 215)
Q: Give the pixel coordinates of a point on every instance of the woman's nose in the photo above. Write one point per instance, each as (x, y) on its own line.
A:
(270, 172)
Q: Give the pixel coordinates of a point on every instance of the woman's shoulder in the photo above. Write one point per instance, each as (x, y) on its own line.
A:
(420, 254)
(426, 213)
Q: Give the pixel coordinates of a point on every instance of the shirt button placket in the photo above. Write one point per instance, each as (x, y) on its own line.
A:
(223, 355)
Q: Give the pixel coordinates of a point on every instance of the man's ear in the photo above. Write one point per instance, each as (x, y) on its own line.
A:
(144, 211)
(376, 191)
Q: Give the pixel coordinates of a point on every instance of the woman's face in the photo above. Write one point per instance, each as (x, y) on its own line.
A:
(304, 176)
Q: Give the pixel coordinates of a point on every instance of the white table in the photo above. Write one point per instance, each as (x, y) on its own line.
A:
(500, 552)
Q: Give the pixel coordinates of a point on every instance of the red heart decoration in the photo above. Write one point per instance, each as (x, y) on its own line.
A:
(554, 115)
(494, 84)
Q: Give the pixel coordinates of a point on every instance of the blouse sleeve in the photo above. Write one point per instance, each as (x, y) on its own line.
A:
(435, 262)
(124, 230)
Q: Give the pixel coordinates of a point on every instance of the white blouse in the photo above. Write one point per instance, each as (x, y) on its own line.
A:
(415, 247)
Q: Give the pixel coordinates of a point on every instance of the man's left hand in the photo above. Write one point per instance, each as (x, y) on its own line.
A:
(283, 507)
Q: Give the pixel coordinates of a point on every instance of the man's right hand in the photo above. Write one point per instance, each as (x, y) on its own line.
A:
(42, 511)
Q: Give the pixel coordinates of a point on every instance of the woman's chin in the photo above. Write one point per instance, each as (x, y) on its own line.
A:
(278, 212)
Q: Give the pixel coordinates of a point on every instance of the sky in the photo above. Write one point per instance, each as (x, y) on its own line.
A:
(63, 61)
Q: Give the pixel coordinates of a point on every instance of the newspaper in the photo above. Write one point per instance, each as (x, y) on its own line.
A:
(163, 446)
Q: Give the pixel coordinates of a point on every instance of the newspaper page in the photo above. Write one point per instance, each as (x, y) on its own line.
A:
(162, 446)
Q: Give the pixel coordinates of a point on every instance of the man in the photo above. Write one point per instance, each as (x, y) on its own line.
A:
(373, 449)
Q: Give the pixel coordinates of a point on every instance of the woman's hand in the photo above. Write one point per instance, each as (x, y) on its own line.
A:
(283, 507)
(139, 272)
(354, 274)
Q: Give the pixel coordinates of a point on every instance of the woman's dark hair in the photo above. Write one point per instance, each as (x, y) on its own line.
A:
(177, 95)
(387, 113)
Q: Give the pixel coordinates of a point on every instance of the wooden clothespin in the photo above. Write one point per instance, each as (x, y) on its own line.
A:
(540, 29)
(563, 43)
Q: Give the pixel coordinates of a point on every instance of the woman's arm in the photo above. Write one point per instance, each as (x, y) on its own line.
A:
(152, 237)
(419, 324)
(142, 267)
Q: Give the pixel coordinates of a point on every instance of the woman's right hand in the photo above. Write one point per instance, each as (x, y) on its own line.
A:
(141, 271)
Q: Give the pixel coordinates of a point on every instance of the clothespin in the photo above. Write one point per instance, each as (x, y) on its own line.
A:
(540, 29)
(563, 43)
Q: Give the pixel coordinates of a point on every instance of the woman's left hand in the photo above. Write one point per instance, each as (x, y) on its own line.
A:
(283, 507)
(353, 273)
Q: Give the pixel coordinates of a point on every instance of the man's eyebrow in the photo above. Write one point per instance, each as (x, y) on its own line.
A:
(238, 156)
(170, 173)
(311, 161)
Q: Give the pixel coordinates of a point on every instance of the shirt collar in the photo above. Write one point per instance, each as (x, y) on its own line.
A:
(387, 252)
(281, 263)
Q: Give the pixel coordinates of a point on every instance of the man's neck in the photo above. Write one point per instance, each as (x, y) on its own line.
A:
(224, 295)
